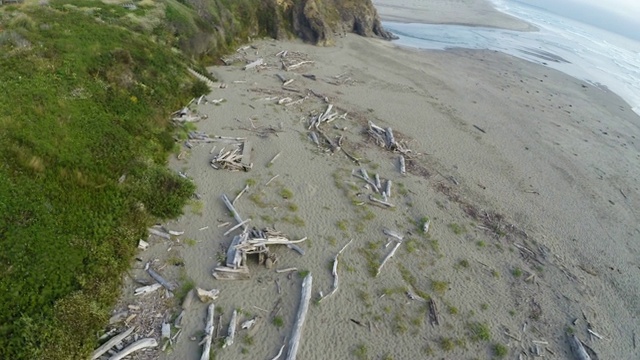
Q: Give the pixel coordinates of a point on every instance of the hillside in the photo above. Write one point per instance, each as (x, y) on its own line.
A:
(87, 92)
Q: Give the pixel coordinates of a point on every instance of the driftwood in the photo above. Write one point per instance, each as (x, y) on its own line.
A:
(160, 233)
(142, 245)
(273, 159)
(296, 332)
(246, 187)
(207, 295)
(433, 313)
(186, 304)
(279, 353)
(111, 343)
(353, 158)
(385, 138)
(226, 273)
(389, 256)
(236, 159)
(425, 226)
(393, 234)
(403, 168)
(334, 272)
(232, 209)
(146, 289)
(578, 349)
(231, 333)
(208, 332)
(253, 64)
(138, 345)
(387, 190)
(381, 202)
(244, 223)
(159, 278)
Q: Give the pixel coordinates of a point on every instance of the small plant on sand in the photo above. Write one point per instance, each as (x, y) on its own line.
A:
(292, 207)
(439, 287)
(452, 310)
(457, 228)
(278, 321)
(500, 351)
(360, 352)
(286, 193)
(481, 243)
(517, 272)
(447, 344)
(190, 242)
(342, 225)
(479, 331)
(464, 263)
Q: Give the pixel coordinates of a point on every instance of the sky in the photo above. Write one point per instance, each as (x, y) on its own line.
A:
(619, 16)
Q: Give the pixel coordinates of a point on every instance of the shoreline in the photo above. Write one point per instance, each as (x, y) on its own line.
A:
(479, 13)
(541, 148)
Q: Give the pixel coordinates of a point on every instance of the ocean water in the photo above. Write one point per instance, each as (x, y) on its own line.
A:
(588, 53)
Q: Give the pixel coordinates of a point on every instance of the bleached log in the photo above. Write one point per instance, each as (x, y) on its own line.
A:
(279, 353)
(248, 324)
(378, 201)
(159, 278)
(403, 169)
(391, 141)
(577, 348)
(207, 295)
(208, 332)
(393, 234)
(253, 64)
(296, 333)
(314, 138)
(235, 227)
(296, 248)
(142, 245)
(245, 161)
(138, 345)
(111, 343)
(232, 209)
(378, 183)
(334, 272)
(176, 233)
(297, 65)
(282, 78)
(146, 289)
(157, 232)
(389, 256)
(274, 159)
(387, 189)
(272, 241)
(231, 333)
(225, 273)
(270, 180)
(232, 257)
(246, 187)
(425, 226)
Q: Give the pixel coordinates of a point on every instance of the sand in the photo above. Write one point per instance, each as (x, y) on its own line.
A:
(461, 12)
(506, 155)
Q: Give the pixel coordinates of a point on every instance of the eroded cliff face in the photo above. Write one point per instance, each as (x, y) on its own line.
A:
(222, 23)
(319, 21)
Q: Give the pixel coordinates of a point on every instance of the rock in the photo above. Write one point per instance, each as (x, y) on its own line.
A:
(207, 295)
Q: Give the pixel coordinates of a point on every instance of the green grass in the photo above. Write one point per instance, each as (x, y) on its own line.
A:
(517, 272)
(87, 102)
(479, 331)
(457, 228)
(500, 351)
(278, 321)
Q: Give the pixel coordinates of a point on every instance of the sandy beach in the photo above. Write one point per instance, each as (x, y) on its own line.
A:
(529, 178)
(461, 12)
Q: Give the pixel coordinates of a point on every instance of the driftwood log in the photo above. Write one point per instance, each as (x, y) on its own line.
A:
(138, 345)
(577, 348)
(334, 272)
(231, 333)
(296, 333)
(208, 332)
(111, 343)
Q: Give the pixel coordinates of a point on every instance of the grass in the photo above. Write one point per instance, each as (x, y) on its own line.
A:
(457, 228)
(479, 331)
(75, 118)
(286, 193)
(278, 321)
(517, 272)
(500, 351)
(439, 287)
(447, 344)
(361, 352)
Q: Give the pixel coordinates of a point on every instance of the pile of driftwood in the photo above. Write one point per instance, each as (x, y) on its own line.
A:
(385, 138)
(375, 185)
(187, 115)
(291, 60)
(249, 242)
(236, 159)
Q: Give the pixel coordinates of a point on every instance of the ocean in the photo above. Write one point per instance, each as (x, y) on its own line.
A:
(594, 55)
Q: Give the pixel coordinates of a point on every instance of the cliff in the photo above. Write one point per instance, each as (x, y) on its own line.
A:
(214, 25)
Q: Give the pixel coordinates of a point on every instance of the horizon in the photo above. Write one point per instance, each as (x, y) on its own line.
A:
(619, 18)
